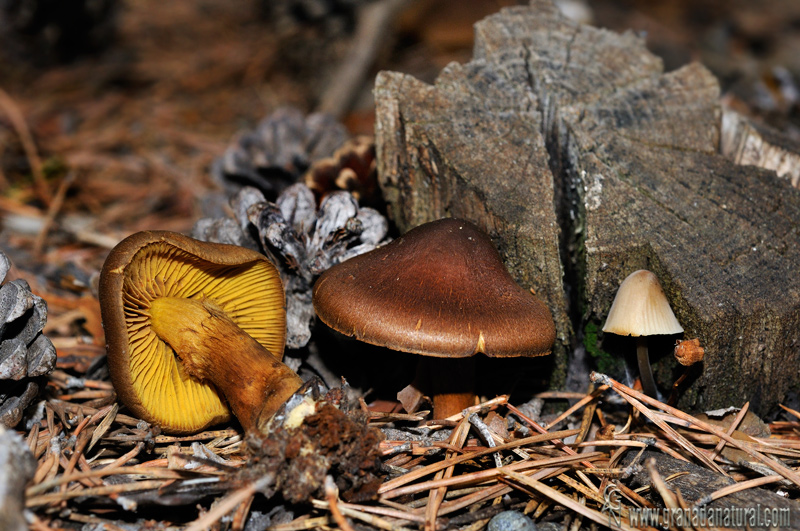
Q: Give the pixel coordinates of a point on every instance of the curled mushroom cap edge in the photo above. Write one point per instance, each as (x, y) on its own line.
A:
(153, 264)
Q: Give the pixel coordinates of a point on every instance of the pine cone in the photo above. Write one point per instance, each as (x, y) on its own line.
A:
(280, 217)
(25, 353)
(301, 239)
(351, 168)
(278, 152)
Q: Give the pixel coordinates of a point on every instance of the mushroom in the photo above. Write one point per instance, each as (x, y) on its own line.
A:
(187, 321)
(641, 309)
(440, 290)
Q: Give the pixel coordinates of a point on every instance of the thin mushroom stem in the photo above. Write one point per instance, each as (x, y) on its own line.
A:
(645, 371)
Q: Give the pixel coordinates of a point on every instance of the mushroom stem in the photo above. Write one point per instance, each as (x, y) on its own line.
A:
(451, 384)
(213, 348)
(645, 371)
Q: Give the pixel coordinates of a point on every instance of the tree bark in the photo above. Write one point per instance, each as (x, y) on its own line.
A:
(465, 148)
(746, 142)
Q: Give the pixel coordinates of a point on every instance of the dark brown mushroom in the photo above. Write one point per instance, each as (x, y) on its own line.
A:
(186, 321)
(440, 290)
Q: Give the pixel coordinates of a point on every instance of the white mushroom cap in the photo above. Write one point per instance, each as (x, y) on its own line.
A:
(641, 308)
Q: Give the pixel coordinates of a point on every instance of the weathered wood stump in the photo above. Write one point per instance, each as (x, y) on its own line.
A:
(746, 142)
(584, 161)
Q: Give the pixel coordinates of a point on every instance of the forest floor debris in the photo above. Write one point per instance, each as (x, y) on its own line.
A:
(97, 464)
(96, 150)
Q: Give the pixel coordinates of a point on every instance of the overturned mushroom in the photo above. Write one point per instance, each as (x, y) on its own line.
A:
(440, 290)
(641, 309)
(186, 321)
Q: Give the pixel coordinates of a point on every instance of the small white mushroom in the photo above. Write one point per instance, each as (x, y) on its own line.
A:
(641, 309)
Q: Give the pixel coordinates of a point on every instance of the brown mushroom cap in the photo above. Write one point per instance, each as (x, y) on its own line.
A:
(147, 375)
(439, 290)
